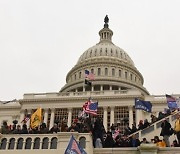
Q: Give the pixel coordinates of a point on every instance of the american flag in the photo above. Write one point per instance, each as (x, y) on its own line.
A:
(25, 120)
(89, 75)
(90, 107)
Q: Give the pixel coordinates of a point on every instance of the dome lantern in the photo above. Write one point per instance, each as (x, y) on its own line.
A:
(106, 33)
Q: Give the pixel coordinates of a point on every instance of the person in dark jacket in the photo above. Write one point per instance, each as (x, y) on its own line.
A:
(4, 128)
(17, 130)
(133, 129)
(165, 131)
(109, 142)
(43, 129)
(134, 142)
(146, 123)
(140, 125)
(24, 129)
(54, 129)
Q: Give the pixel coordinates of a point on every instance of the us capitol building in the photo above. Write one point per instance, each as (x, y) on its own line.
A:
(117, 83)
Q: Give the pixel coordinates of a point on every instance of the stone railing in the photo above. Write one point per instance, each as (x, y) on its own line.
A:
(43, 143)
(57, 143)
(142, 149)
(155, 128)
(85, 93)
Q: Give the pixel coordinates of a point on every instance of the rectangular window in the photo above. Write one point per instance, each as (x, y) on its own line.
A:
(126, 75)
(106, 71)
(113, 72)
(99, 71)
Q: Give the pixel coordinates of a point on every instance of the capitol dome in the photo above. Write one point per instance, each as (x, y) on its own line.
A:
(112, 67)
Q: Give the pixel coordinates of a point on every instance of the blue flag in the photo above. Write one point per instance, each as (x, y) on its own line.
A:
(171, 101)
(74, 148)
(143, 105)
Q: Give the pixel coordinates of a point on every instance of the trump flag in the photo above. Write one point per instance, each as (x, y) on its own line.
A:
(171, 101)
(143, 105)
(74, 148)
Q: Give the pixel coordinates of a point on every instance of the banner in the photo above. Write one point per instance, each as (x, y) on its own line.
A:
(143, 105)
(36, 118)
(74, 148)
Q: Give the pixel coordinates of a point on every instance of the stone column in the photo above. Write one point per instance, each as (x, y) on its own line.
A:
(130, 116)
(29, 111)
(112, 115)
(84, 88)
(52, 118)
(105, 118)
(69, 117)
(110, 88)
(101, 88)
(46, 116)
(138, 116)
(21, 116)
(92, 88)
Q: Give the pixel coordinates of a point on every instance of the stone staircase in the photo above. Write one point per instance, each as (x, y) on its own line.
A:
(155, 129)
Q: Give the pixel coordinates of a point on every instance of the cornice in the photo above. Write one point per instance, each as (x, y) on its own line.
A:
(110, 80)
(84, 98)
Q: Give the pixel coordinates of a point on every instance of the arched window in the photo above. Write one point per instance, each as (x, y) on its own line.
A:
(36, 143)
(126, 75)
(99, 71)
(111, 52)
(91, 53)
(95, 52)
(28, 143)
(131, 76)
(121, 55)
(113, 72)
(11, 143)
(119, 73)
(53, 143)
(45, 143)
(106, 71)
(3, 143)
(92, 70)
(75, 77)
(20, 143)
(82, 142)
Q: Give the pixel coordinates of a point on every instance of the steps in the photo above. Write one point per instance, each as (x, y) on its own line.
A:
(155, 129)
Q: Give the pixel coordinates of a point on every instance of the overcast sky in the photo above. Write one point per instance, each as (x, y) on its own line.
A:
(41, 40)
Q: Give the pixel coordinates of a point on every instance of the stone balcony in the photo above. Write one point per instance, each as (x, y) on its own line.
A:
(57, 143)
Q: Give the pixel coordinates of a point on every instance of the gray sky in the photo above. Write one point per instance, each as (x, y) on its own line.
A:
(41, 40)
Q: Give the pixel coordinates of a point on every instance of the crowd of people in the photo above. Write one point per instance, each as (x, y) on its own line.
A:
(114, 137)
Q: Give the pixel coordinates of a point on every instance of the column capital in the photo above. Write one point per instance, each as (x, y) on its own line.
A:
(46, 109)
(112, 107)
(52, 109)
(130, 106)
(105, 107)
